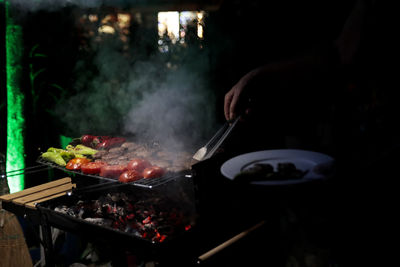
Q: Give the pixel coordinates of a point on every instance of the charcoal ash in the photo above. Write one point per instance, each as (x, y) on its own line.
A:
(152, 218)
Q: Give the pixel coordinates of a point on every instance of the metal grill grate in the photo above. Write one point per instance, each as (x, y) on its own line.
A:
(147, 183)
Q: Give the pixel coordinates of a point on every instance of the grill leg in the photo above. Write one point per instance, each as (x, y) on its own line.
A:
(48, 242)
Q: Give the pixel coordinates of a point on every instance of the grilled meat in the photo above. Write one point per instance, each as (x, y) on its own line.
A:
(155, 155)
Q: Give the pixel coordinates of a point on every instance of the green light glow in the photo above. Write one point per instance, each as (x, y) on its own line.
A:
(64, 141)
(15, 102)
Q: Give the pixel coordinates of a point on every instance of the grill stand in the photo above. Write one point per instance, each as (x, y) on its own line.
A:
(48, 242)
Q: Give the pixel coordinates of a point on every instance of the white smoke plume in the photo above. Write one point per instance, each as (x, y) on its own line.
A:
(145, 98)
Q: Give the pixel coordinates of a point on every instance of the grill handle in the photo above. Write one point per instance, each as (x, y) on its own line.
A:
(228, 243)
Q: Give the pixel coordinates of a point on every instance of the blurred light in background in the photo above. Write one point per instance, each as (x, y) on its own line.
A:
(176, 27)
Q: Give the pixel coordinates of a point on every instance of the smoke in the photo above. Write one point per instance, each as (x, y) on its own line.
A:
(151, 96)
(150, 99)
(178, 112)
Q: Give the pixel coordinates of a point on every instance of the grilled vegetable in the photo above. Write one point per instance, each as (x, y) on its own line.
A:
(112, 142)
(87, 140)
(54, 157)
(112, 171)
(92, 167)
(99, 139)
(65, 154)
(76, 163)
(81, 149)
(153, 172)
(138, 164)
(130, 176)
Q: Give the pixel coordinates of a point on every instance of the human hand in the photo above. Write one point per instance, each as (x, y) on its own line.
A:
(236, 99)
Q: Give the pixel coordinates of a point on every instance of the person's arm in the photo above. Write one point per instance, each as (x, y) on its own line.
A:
(280, 74)
(320, 63)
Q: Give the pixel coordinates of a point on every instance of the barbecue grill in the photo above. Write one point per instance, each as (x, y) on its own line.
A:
(213, 208)
(208, 216)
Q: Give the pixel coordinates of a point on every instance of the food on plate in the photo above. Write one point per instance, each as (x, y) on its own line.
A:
(112, 171)
(130, 176)
(153, 172)
(92, 167)
(76, 163)
(138, 164)
(288, 170)
(265, 171)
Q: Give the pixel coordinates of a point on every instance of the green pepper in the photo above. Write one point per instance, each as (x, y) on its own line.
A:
(81, 149)
(54, 157)
(54, 149)
(65, 154)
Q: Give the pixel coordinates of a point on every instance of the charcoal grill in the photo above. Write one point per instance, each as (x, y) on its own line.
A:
(214, 206)
(218, 211)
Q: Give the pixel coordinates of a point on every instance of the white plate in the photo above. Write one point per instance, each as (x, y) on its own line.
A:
(317, 165)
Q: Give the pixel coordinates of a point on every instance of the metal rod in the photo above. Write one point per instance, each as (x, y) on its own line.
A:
(25, 169)
(28, 172)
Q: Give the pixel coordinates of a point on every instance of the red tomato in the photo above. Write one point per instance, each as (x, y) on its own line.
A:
(130, 176)
(76, 163)
(153, 172)
(92, 167)
(138, 164)
(112, 171)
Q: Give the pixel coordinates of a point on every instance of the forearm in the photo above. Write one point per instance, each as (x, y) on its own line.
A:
(317, 63)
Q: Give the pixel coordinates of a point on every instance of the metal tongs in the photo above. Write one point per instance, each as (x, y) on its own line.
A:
(216, 141)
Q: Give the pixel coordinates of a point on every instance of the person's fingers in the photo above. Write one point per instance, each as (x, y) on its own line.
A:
(233, 106)
(227, 104)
